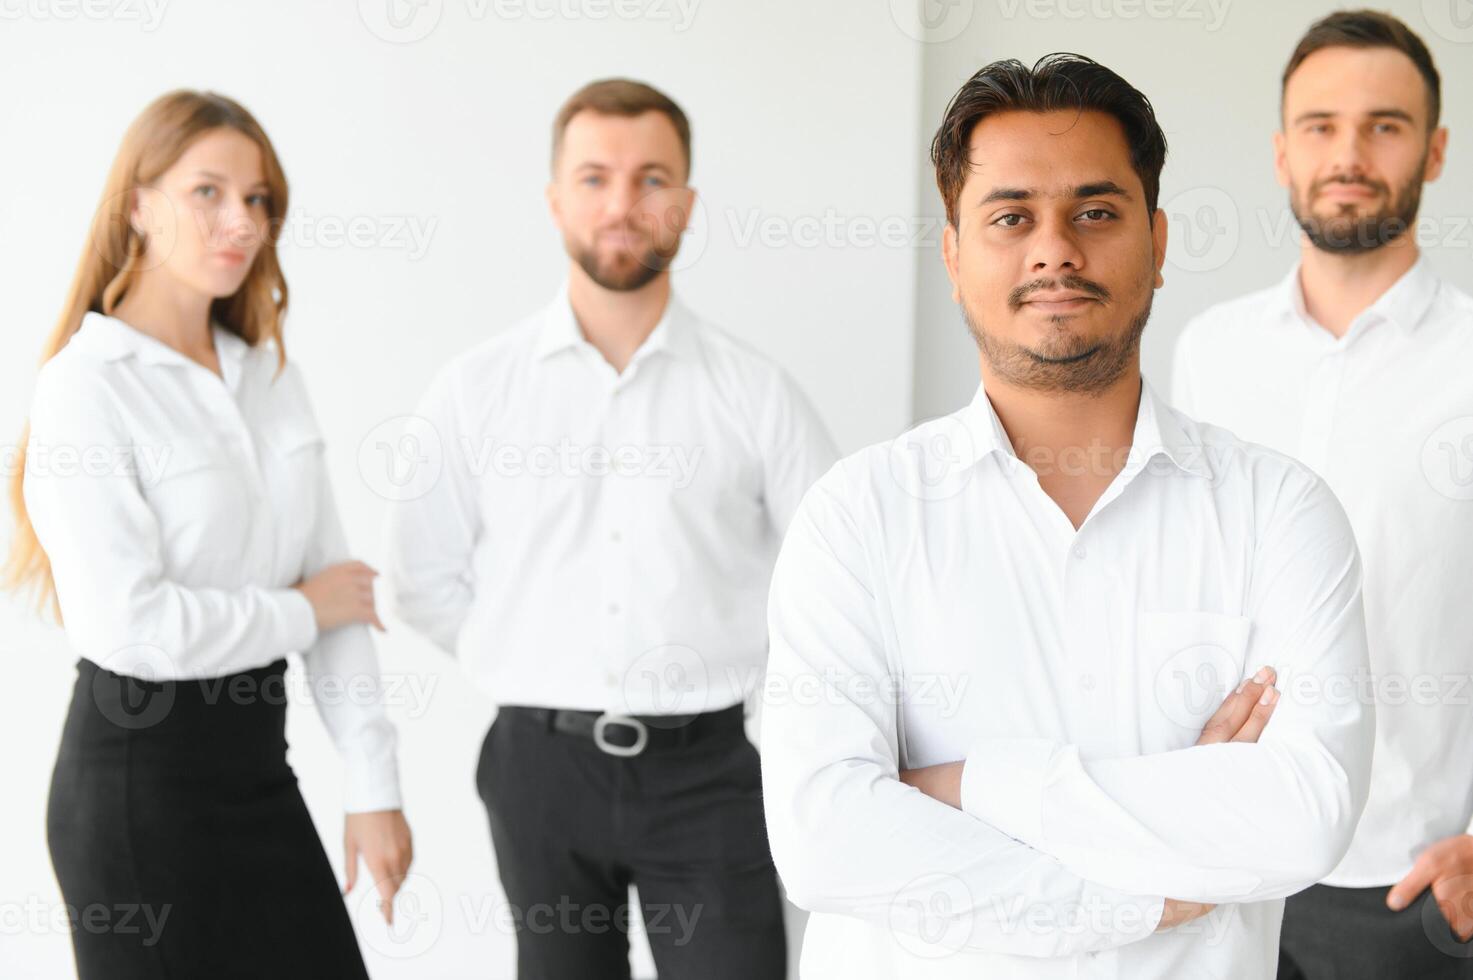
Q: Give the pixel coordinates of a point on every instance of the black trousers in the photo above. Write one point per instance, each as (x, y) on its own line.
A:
(1334, 933)
(181, 843)
(574, 826)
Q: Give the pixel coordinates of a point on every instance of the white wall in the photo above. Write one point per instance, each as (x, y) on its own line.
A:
(802, 114)
(1211, 68)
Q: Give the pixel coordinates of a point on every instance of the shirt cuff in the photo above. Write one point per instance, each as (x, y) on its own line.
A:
(1002, 784)
(297, 615)
(1131, 919)
(372, 777)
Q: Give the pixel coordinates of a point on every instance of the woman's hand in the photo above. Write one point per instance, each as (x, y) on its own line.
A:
(382, 839)
(342, 594)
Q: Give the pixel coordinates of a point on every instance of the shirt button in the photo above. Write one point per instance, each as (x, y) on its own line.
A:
(611, 679)
(615, 537)
(1080, 551)
(613, 609)
(1087, 681)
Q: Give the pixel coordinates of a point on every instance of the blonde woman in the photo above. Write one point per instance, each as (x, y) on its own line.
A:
(175, 511)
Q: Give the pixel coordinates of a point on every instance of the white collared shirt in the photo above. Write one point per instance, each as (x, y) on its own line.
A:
(178, 507)
(1385, 416)
(932, 604)
(584, 538)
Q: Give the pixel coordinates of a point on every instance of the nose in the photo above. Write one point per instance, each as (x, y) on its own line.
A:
(236, 225)
(619, 201)
(1348, 154)
(1054, 247)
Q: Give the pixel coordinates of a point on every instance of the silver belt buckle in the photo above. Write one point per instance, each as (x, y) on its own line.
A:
(603, 721)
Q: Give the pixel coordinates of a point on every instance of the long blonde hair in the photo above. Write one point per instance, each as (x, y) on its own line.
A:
(111, 263)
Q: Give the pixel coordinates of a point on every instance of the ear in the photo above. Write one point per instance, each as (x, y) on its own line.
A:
(136, 216)
(949, 256)
(688, 197)
(1158, 243)
(671, 211)
(554, 202)
(1281, 160)
(1436, 154)
(693, 197)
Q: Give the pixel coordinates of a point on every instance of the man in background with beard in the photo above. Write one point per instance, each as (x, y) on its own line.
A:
(1358, 364)
(617, 475)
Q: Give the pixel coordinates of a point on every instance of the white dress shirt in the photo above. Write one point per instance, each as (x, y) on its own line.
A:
(932, 604)
(584, 538)
(177, 509)
(1385, 416)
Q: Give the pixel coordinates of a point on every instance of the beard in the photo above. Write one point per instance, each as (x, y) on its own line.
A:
(1348, 232)
(1064, 361)
(618, 273)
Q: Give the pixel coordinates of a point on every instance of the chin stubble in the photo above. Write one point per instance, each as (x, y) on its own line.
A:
(1083, 366)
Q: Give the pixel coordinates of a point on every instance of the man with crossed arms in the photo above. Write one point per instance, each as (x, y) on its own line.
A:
(1066, 817)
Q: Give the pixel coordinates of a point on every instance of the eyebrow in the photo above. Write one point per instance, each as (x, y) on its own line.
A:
(595, 165)
(1098, 188)
(1401, 114)
(214, 176)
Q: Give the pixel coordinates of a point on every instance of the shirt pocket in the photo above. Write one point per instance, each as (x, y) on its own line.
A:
(1191, 660)
(201, 502)
(294, 436)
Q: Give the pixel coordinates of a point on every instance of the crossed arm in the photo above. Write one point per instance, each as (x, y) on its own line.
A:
(1241, 717)
(1043, 832)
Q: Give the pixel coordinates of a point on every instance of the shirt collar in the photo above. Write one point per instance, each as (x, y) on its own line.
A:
(112, 339)
(1404, 304)
(560, 331)
(1159, 432)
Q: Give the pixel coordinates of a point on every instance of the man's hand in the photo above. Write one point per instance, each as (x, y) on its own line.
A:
(943, 782)
(1177, 913)
(382, 839)
(1243, 714)
(1447, 867)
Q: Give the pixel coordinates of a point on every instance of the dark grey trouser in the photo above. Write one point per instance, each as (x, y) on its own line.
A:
(1349, 934)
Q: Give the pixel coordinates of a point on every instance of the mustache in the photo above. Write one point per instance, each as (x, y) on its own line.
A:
(626, 229)
(1077, 283)
(1375, 185)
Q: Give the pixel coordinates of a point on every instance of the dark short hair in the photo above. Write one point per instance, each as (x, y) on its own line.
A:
(620, 97)
(1368, 29)
(1059, 81)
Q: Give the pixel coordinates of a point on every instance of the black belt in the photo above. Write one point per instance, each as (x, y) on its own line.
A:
(627, 735)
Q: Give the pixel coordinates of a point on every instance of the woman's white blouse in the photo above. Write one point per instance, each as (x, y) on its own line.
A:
(178, 508)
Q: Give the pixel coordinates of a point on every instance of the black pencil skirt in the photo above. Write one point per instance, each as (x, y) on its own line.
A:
(181, 843)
